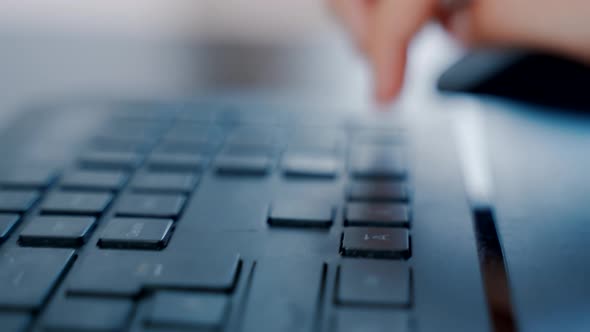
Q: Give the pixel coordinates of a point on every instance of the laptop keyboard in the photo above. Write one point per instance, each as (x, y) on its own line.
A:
(92, 245)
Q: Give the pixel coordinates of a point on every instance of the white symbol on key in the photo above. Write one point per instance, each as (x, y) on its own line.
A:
(378, 237)
(135, 230)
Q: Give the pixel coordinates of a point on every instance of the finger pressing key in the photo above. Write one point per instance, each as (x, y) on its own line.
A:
(395, 23)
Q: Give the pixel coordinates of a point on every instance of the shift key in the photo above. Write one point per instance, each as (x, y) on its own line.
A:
(284, 296)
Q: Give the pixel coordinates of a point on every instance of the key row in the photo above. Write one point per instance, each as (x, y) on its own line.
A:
(154, 234)
(140, 134)
(94, 203)
(230, 115)
(189, 291)
(162, 205)
(388, 165)
(73, 232)
(68, 219)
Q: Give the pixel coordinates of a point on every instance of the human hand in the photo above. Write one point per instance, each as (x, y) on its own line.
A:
(382, 29)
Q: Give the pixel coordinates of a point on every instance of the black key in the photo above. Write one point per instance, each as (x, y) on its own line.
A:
(94, 180)
(27, 177)
(76, 203)
(126, 273)
(184, 310)
(377, 162)
(17, 200)
(29, 275)
(377, 214)
(177, 162)
(373, 282)
(171, 182)
(57, 231)
(284, 296)
(354, 320)
(14, 322)
(378, 191)
(151, 205)
(376, 242)
(310, 165)
(242, 164)
(7, 224)
(301, 214)
(111, 160)
(136, 233)
(88, 314)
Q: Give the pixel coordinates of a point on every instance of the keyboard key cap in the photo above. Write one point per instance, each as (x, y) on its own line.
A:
(151, 205)
(376, 242)
(57, 231)
(111, 160)
(17, 200)
(301, 214)
(284, 296)
(29, 275)
(7, 224)
(177, 162)
(354, 320)
(171, 182)
(76, 203)
(378, 191)
(242, 164)
(14, 322)
(377, 162)
(126, 273)
(199, 311)
(88, 314)
(373, 282)
(310, 165)
(377, 214)
(27, 177)
(94, 180)
(136, 233)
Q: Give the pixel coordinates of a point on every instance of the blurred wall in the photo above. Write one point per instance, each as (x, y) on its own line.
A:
(274, 20)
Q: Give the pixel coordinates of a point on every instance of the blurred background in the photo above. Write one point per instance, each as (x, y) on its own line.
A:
(64, 50)
(52, 49)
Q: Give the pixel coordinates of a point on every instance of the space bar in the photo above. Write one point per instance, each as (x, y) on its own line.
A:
(284, 296)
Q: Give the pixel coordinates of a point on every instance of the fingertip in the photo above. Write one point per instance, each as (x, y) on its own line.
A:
(389, 62)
